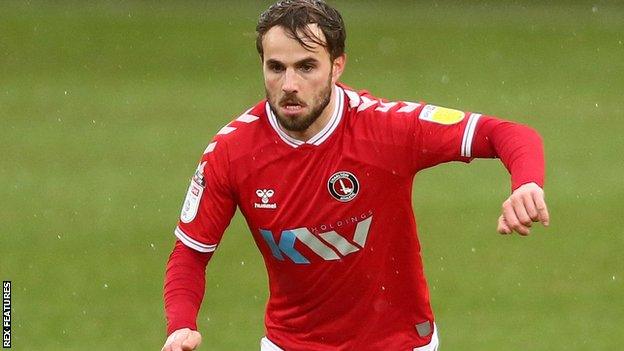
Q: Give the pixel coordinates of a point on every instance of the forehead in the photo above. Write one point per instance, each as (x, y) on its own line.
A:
(279, 45)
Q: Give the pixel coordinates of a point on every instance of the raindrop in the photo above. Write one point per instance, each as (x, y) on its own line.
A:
(594, 9)
(58, 236)
(152, 245)
(105, 286)
(242, 263)
(473, 250)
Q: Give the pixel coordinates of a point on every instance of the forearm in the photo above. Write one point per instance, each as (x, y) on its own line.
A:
(184, 287)
(519, 148)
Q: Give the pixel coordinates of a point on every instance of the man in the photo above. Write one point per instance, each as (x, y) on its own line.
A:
(323, 175)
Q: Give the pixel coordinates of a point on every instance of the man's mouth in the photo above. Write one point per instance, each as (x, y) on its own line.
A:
(292, 106)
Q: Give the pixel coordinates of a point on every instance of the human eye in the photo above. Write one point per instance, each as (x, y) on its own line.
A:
(306, 67)
(275, 67)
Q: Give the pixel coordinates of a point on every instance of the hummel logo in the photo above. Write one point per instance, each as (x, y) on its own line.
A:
(264, 195)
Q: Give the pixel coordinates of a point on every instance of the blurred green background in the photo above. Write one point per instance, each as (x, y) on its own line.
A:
(105, 108)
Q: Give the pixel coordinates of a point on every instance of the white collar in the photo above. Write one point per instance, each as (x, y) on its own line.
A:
(323, 134)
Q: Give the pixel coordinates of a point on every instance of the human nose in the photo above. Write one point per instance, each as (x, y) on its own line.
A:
(290, 84)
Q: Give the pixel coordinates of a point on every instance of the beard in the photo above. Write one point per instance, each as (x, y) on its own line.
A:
(301, 123)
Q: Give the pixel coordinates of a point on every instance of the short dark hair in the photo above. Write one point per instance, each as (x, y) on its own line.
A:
(295, 15)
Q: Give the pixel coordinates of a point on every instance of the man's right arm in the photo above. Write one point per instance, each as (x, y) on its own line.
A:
(183, 294)
(184, 286)
(206, 212)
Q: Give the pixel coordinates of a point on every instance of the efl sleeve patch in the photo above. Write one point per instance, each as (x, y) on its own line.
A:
(193, 195)
(441, 115)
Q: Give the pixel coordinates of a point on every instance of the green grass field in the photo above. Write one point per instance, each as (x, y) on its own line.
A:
(105, 108)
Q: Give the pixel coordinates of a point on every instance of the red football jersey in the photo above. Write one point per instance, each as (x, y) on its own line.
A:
(332, 217)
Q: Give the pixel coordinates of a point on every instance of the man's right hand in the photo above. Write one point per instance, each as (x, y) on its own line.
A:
(182, 340)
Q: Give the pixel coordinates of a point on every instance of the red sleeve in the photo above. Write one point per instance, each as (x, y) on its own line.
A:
(206, 212)
(442, 135)
(519, 147)
(209, 204)
(184, 286)
(429, 135)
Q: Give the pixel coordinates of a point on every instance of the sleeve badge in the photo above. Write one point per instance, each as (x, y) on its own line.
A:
(441, 115)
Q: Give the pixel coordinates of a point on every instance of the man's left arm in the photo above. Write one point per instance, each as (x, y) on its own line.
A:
(520, 149)
(442, 135)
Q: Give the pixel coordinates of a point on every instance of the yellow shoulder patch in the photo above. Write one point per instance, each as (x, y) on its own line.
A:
(441, 115)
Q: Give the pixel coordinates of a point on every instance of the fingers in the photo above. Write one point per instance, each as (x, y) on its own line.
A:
(542, 210)
(503, 228)
(182, 340)
(511, 218)
(192, 341)
(531, 210)
(521, 212)
(525, 206)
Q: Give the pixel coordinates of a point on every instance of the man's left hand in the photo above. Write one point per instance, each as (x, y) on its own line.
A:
(525, 206)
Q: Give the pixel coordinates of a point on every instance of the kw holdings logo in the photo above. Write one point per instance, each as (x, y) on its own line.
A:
(333, 246)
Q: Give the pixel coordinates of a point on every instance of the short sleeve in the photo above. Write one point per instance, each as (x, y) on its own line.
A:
(209, 204)
(443, 135)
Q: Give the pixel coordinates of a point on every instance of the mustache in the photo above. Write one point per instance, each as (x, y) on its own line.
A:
(291, 99)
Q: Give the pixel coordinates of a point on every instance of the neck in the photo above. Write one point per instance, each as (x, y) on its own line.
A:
(320, 122)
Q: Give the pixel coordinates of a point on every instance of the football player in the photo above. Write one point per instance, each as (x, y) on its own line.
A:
(323, 175)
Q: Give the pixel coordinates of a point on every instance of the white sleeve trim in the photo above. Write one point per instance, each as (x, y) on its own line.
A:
(471, 126)
(192, 243)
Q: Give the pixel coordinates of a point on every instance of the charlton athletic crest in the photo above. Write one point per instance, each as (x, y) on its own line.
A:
(343, 186)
